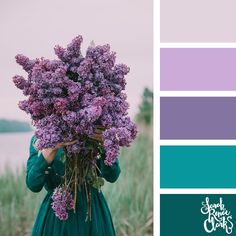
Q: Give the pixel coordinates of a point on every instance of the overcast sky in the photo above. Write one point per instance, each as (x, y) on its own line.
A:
(33, 28)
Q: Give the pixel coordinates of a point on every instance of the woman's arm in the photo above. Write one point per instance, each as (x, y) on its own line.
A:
(36, 169)
(109, 173)
(39, 164)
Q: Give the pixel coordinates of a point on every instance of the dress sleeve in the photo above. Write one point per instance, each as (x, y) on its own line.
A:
(36, 169)
(110, 173)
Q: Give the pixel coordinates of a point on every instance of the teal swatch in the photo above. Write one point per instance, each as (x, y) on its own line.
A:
(198, 166)
(181, 215)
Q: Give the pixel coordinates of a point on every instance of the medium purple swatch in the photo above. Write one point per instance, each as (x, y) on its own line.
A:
(198, 117)
(202, 69)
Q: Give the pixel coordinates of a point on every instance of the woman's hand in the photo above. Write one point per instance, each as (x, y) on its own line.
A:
(50, 153)
(63, 144)
(98, 135)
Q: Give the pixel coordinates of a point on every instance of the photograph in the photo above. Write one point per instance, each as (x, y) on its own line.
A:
(76, 119)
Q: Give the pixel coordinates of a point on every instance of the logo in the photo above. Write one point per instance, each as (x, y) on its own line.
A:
(217, 216)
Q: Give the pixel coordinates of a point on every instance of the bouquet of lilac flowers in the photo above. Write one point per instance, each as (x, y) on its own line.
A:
(71, 97)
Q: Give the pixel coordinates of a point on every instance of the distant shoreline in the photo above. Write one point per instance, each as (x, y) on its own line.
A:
(16, 131)
(14, 126)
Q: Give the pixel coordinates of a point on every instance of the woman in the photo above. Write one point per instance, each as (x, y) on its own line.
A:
(45, 169)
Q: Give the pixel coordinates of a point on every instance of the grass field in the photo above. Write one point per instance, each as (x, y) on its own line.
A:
(130, 198)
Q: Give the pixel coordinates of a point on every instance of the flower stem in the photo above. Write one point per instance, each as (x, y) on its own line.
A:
(76, 180)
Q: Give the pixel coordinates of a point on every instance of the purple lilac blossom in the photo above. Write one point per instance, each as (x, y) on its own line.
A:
(62, 201)
(71, 95)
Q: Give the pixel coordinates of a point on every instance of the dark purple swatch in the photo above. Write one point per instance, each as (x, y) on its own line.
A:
(198, 117)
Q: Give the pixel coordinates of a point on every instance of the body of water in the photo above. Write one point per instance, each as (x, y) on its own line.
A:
(14, 149)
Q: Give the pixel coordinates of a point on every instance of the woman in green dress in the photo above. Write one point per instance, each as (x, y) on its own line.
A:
(45, 169)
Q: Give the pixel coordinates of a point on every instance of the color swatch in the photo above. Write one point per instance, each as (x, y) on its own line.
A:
(198, 21)
(198, 117)
(187, 214)
(198, 166)
(198, 69)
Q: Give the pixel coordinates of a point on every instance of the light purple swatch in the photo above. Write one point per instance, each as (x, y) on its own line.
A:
(198, 69)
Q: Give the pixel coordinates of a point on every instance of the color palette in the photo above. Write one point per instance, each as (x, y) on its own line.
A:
(197, 117)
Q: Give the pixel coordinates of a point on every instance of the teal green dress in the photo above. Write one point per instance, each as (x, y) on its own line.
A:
(40, 174)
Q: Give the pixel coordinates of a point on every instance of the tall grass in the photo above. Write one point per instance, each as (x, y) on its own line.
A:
(18, 206)
(129, 198)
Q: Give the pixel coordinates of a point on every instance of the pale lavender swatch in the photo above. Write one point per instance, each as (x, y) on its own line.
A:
(198, 20)
(202, 69)
(198, 117)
